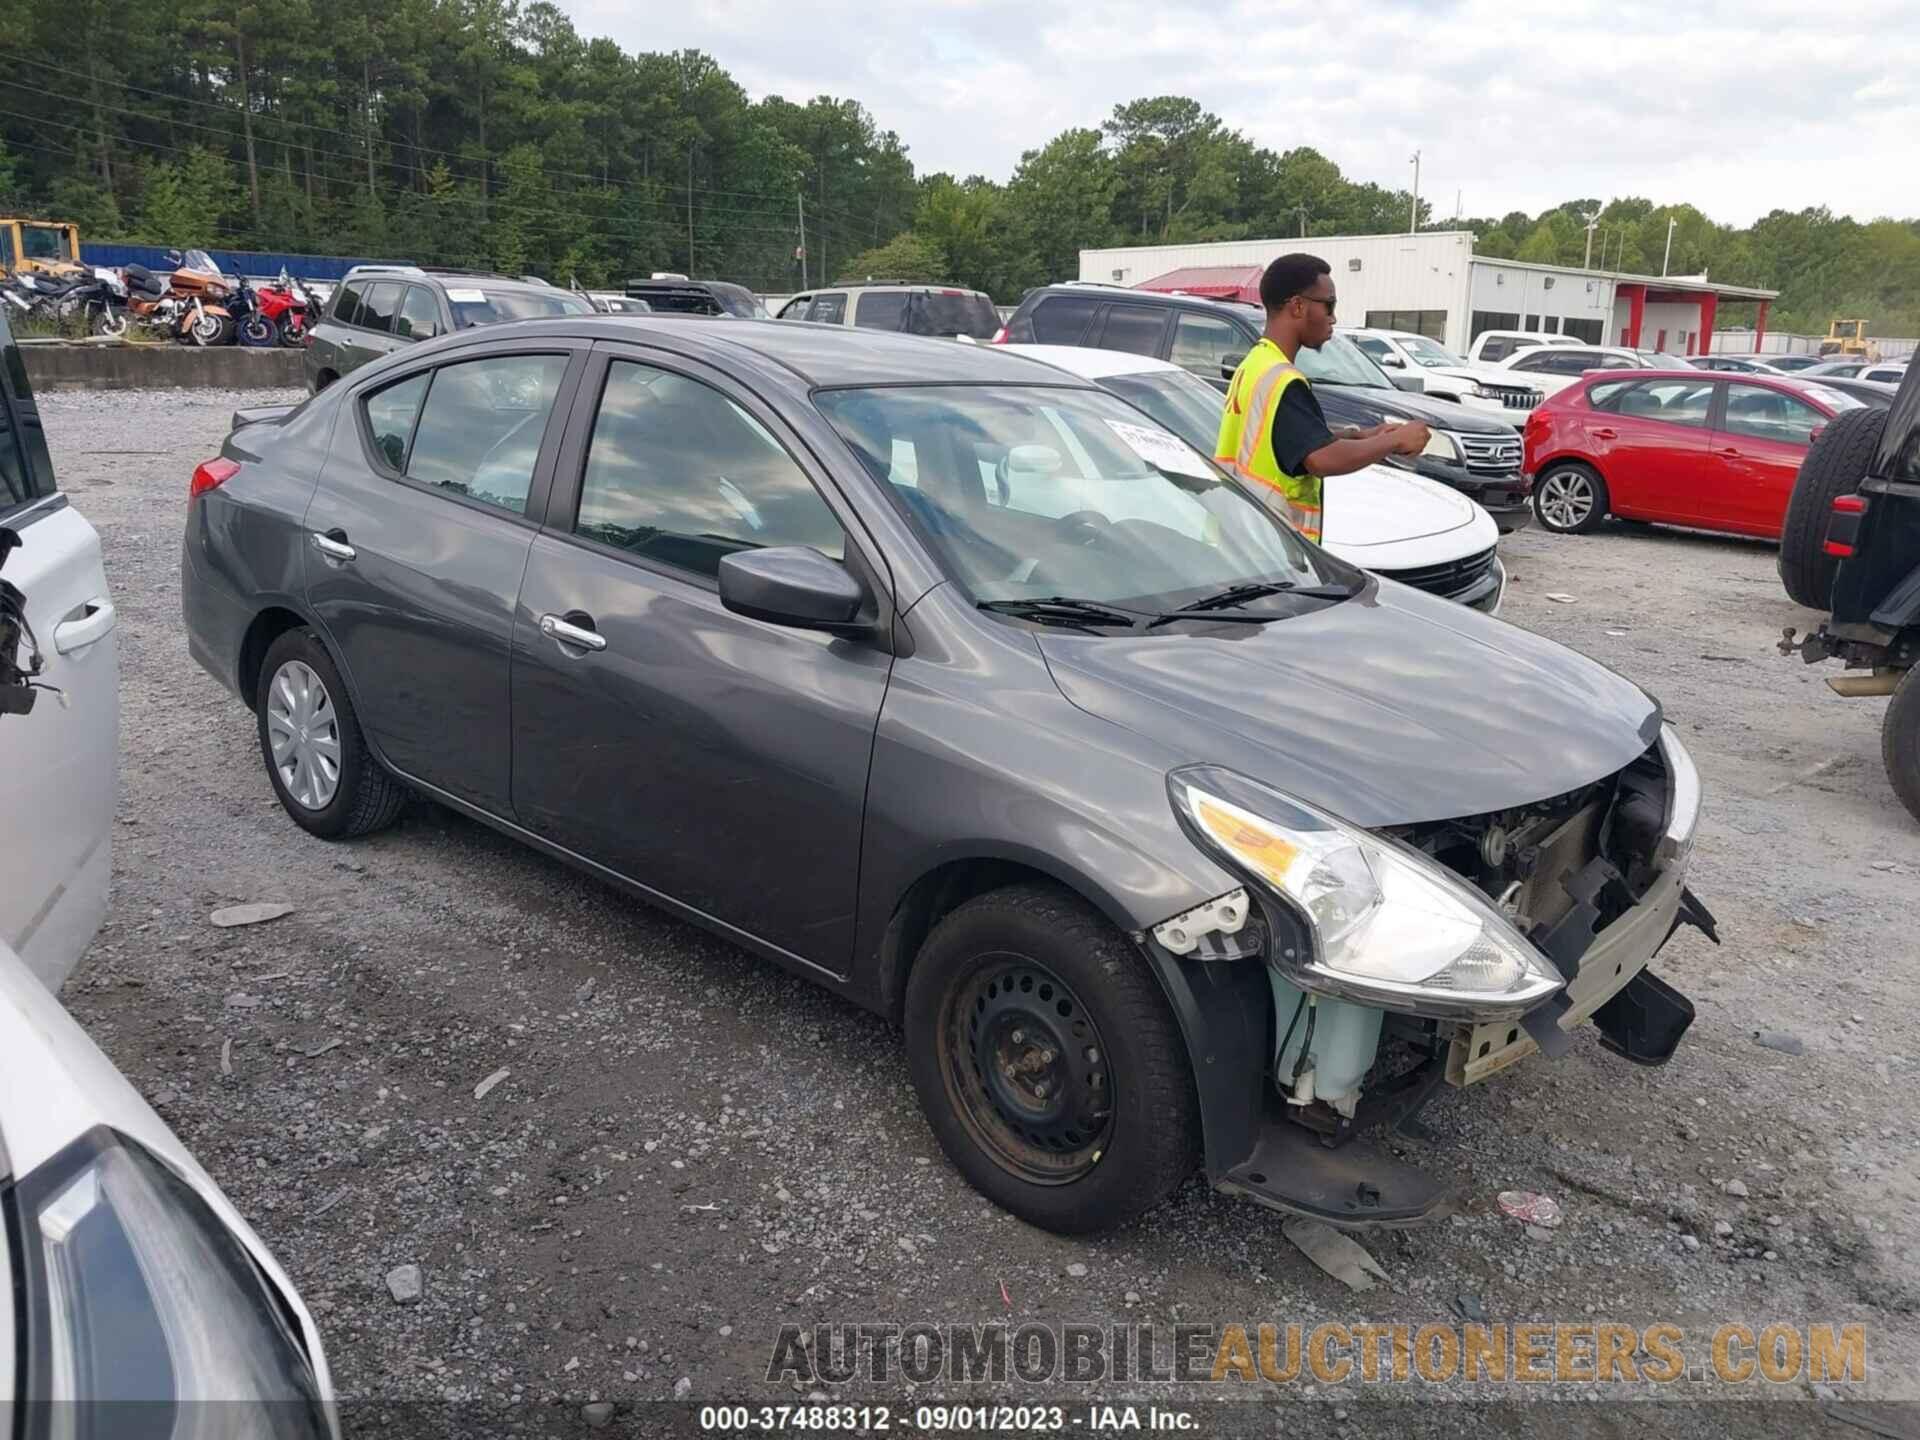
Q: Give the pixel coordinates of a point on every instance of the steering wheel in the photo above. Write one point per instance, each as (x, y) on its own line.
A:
(1092, 522)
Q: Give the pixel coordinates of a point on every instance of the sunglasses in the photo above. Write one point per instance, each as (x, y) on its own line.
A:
(1321, 300)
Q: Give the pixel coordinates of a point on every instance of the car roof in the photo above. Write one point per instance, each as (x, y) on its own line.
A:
(821, 355)
(1091, 364)
(1094, 289)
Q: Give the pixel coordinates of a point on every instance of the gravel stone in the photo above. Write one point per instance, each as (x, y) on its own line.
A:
(405, 1284)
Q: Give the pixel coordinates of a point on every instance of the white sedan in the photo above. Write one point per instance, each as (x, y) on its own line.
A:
(1400, 526)
(136, 1288)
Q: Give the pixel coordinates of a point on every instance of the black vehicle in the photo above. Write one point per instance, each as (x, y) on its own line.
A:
(677, 295)
(1852, 547)
(379, 309)
(946, 680)
(1476, 454)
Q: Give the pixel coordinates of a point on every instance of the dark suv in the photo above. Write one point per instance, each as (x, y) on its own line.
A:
(1474, 453)
(1851, 546)
(677, 295)
(379, 308)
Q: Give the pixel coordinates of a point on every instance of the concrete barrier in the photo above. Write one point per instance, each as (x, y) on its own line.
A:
(160, 367)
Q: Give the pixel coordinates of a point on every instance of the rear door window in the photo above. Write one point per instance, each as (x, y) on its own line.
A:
(390, 417)
(1062, 319)
(26, 469)
(376, 311)
(478, 433)
(1674, 402)
(1136, 329)
(881, 310)
(346, 309)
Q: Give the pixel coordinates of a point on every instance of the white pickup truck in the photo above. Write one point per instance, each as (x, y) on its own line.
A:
(1447, 376)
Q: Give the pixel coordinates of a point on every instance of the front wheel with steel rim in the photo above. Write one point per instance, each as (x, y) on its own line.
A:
(310, 738)
(1048, 1063)
(1570, 498)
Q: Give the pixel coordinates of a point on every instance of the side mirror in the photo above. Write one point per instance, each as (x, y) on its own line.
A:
(790, 585)
(1391, 362)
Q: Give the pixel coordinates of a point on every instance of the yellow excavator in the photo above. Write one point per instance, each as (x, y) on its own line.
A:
(1849, 337)
(49, 245)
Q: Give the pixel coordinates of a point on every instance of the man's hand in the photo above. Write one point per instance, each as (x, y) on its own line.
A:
(1410, 438)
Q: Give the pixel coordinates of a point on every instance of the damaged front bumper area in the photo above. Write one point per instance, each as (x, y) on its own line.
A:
(1302, 1083)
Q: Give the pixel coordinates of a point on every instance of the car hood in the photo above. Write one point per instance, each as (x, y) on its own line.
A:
(1390, 708)
(1485, 375)
(1363, 404)
(1380, 506)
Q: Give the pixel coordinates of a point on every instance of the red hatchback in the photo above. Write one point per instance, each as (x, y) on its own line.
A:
(1688, 447)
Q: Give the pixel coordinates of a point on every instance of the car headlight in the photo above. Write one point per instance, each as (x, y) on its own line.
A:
(1387, 926)
(1441, 447)
(1683, 793)
(138, 1292)
(1482, 391)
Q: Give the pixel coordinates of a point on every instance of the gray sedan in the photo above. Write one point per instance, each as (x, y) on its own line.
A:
(954, 684)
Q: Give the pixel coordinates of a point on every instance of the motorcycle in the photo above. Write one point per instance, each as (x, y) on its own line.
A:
(95, 294)
(289, 308)
(252, 325)
(188, 304)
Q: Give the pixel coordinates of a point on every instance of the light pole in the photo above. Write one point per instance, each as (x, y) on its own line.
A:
(1413, 212)
(1671, 222)
(1301, 211)
(1593, 220)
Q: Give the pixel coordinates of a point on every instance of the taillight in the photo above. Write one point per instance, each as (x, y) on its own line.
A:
(1000, 336)
(1843, 526)
(211, 475)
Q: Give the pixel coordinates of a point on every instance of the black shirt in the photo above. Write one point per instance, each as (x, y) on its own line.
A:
(1299, 428)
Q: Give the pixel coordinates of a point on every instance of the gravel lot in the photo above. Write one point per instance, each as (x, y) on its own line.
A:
(691, 1148)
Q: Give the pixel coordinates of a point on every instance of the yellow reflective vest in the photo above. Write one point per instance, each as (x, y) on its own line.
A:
(1246, 433)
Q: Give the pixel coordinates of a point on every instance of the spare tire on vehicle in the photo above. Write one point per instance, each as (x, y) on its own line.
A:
(1836, 463)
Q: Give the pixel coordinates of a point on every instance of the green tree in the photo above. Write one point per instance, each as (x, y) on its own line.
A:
(905, 257)
(1060, 202)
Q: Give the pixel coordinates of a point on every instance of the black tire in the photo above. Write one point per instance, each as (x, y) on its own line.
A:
(1900, 742)
(1558, 491)
(1102, 1030)
(365, 797)
(1836, 463)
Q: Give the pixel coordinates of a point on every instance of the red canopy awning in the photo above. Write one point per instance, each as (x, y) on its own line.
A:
(1216, 282)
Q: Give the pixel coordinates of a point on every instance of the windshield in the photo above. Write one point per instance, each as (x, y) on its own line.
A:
(1665, 362)
(198, 260)
(1341, 362)
(44, 242)
(1429, 353)
(478, 306)
(951, 312)
(1026, 491)
(1182, 403)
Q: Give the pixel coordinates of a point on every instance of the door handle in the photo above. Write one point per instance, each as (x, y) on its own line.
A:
(568, 633)
(333, 545)
(1605, 434)
(96, 620)
(1729, 451)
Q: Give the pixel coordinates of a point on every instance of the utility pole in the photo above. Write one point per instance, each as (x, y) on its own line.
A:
(801, 201)
(1413, 212)
(1592, 221)
(1671, 222)
(1301, 211)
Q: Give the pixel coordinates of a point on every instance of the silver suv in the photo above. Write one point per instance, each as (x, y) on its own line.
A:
(908, 309)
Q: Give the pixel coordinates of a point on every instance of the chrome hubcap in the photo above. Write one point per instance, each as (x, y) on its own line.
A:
(303, 733)
(1566, 499)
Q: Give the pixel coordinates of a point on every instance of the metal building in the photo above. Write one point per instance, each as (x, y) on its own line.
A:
(1432, 283)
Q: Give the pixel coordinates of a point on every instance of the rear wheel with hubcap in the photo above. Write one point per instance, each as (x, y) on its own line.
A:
(1570, 498)
(1048, 1062)
(316, 756)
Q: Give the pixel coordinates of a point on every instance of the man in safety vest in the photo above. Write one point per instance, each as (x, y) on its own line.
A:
(1273, 430)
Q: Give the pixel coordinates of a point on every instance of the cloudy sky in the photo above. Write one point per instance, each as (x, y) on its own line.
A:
(1738, 106)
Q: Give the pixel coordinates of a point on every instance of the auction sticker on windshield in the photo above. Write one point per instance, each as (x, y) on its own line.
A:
(1834, 399)
(467, 297)
(1161, 450)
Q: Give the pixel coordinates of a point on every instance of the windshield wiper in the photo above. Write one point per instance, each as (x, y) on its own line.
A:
(1063, 610)
(1235, 595)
